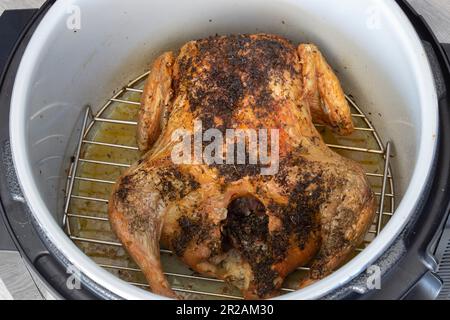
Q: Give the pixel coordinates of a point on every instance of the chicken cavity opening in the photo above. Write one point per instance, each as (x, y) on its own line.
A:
(247, 224)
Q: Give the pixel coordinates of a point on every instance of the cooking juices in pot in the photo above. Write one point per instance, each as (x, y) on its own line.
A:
(88, 223)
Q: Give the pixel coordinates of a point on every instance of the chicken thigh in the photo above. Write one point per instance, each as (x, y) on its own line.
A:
(229, 221)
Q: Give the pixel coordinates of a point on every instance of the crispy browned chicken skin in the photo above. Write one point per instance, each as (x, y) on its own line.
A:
(228, 221)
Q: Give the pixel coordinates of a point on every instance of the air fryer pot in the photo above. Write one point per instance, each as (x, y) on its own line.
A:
(398, 66)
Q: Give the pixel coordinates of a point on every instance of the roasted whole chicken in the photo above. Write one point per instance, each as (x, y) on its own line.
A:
(229, 221)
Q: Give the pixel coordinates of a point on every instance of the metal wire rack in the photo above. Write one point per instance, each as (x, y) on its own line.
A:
(94, 172)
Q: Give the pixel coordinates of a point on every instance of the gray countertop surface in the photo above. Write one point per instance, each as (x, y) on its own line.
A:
(16, 282)
(437, 13)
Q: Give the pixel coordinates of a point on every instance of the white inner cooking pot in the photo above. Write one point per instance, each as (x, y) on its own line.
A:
(371, 44)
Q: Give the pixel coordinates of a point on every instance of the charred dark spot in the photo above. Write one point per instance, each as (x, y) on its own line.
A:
(122, 194)
(236, 172)
(247, 220)
(191, 229)
(126, 185)
(176, 185)
(193, 184)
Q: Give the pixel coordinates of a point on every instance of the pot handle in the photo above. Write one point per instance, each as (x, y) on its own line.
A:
(66, 282)
(429, 287)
